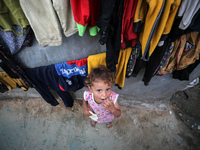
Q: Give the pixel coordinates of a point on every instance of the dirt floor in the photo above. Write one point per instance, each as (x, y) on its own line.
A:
(32, 124)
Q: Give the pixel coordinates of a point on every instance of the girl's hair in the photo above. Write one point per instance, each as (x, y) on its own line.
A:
(99, 73)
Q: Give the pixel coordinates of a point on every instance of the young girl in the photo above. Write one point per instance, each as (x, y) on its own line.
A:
(102, 101)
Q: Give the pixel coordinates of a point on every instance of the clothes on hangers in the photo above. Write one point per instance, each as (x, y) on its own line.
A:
(15, 42)
(132, 60)
(184, 74)
(45, 18)
(12, 83)
(187, 16)
(128, 36)
(100, 59)
(64, 11)
(85, 14)
(176, 32)
(156, 19)
(153, 63)
(186, 51)
(12, 65)
(164, 60)
(110, 24)
(11, 14)
(3, 88)
(53, 77)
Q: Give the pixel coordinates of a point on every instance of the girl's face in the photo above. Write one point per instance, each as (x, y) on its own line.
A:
(101, 91)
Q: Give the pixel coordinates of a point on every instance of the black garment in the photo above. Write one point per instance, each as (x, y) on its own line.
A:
(152, 64)
(154, 61)
(10, 63)
(110, 24)
(176, 32)
(185, 73)
(138, 65)
(3, 88)
(46, 77)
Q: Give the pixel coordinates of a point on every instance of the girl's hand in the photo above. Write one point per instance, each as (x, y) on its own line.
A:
(86, 111)
(109, 105)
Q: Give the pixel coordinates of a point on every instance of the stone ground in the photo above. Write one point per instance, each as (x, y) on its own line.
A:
(32, 124)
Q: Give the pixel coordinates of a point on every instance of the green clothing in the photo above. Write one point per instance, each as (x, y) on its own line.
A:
(11, 14)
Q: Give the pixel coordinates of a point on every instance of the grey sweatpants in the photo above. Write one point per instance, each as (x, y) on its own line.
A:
(46, 17)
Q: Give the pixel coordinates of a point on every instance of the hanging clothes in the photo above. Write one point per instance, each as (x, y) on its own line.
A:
(156, 18)
(155, 59)
(190, 11)
(85, 14)
(153, 63)
(132, 60)
(100, 59)
(110, 24)
(12, 66)
(12, 83)
(15, 42)
(53, 76)
(184, 74)
(65, 15)
(43, 20)
(128, 36)
(164, 60)
(11, 14)
(186, 51)
(176, 32)
(3, 88)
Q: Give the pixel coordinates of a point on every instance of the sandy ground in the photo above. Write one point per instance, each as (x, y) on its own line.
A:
(33, 124)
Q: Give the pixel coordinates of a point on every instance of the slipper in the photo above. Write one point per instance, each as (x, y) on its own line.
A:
(93, 116)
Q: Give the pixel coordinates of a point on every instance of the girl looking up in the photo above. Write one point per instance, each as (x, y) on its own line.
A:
(100, 102)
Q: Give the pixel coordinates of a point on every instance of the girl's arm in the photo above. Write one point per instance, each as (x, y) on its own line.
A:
(86, 109)
(117, 111)
(114, 108)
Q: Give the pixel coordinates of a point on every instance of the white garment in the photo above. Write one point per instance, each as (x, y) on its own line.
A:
(183, 7)
(189, 14)
(46, 18)
(43, 20)
(64, 11)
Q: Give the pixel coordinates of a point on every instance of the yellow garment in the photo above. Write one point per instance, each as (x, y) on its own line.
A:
(141, 11)
(11, 83)
(96, 60)
(147, 12)
(181, 58)
(171, 8)
(100, 59)
(166, 22)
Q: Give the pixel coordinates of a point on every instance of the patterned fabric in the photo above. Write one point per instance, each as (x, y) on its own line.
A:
(13, 41)
(104, 115)
(132, 60)
(165, 59)
(11, 63)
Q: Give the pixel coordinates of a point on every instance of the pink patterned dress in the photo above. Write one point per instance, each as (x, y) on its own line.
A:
(104, 115)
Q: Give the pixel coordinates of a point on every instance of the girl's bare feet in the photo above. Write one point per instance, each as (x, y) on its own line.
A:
(93, 123)
(109, 125)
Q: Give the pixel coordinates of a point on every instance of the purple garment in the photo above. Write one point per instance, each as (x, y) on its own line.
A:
(13, 41)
